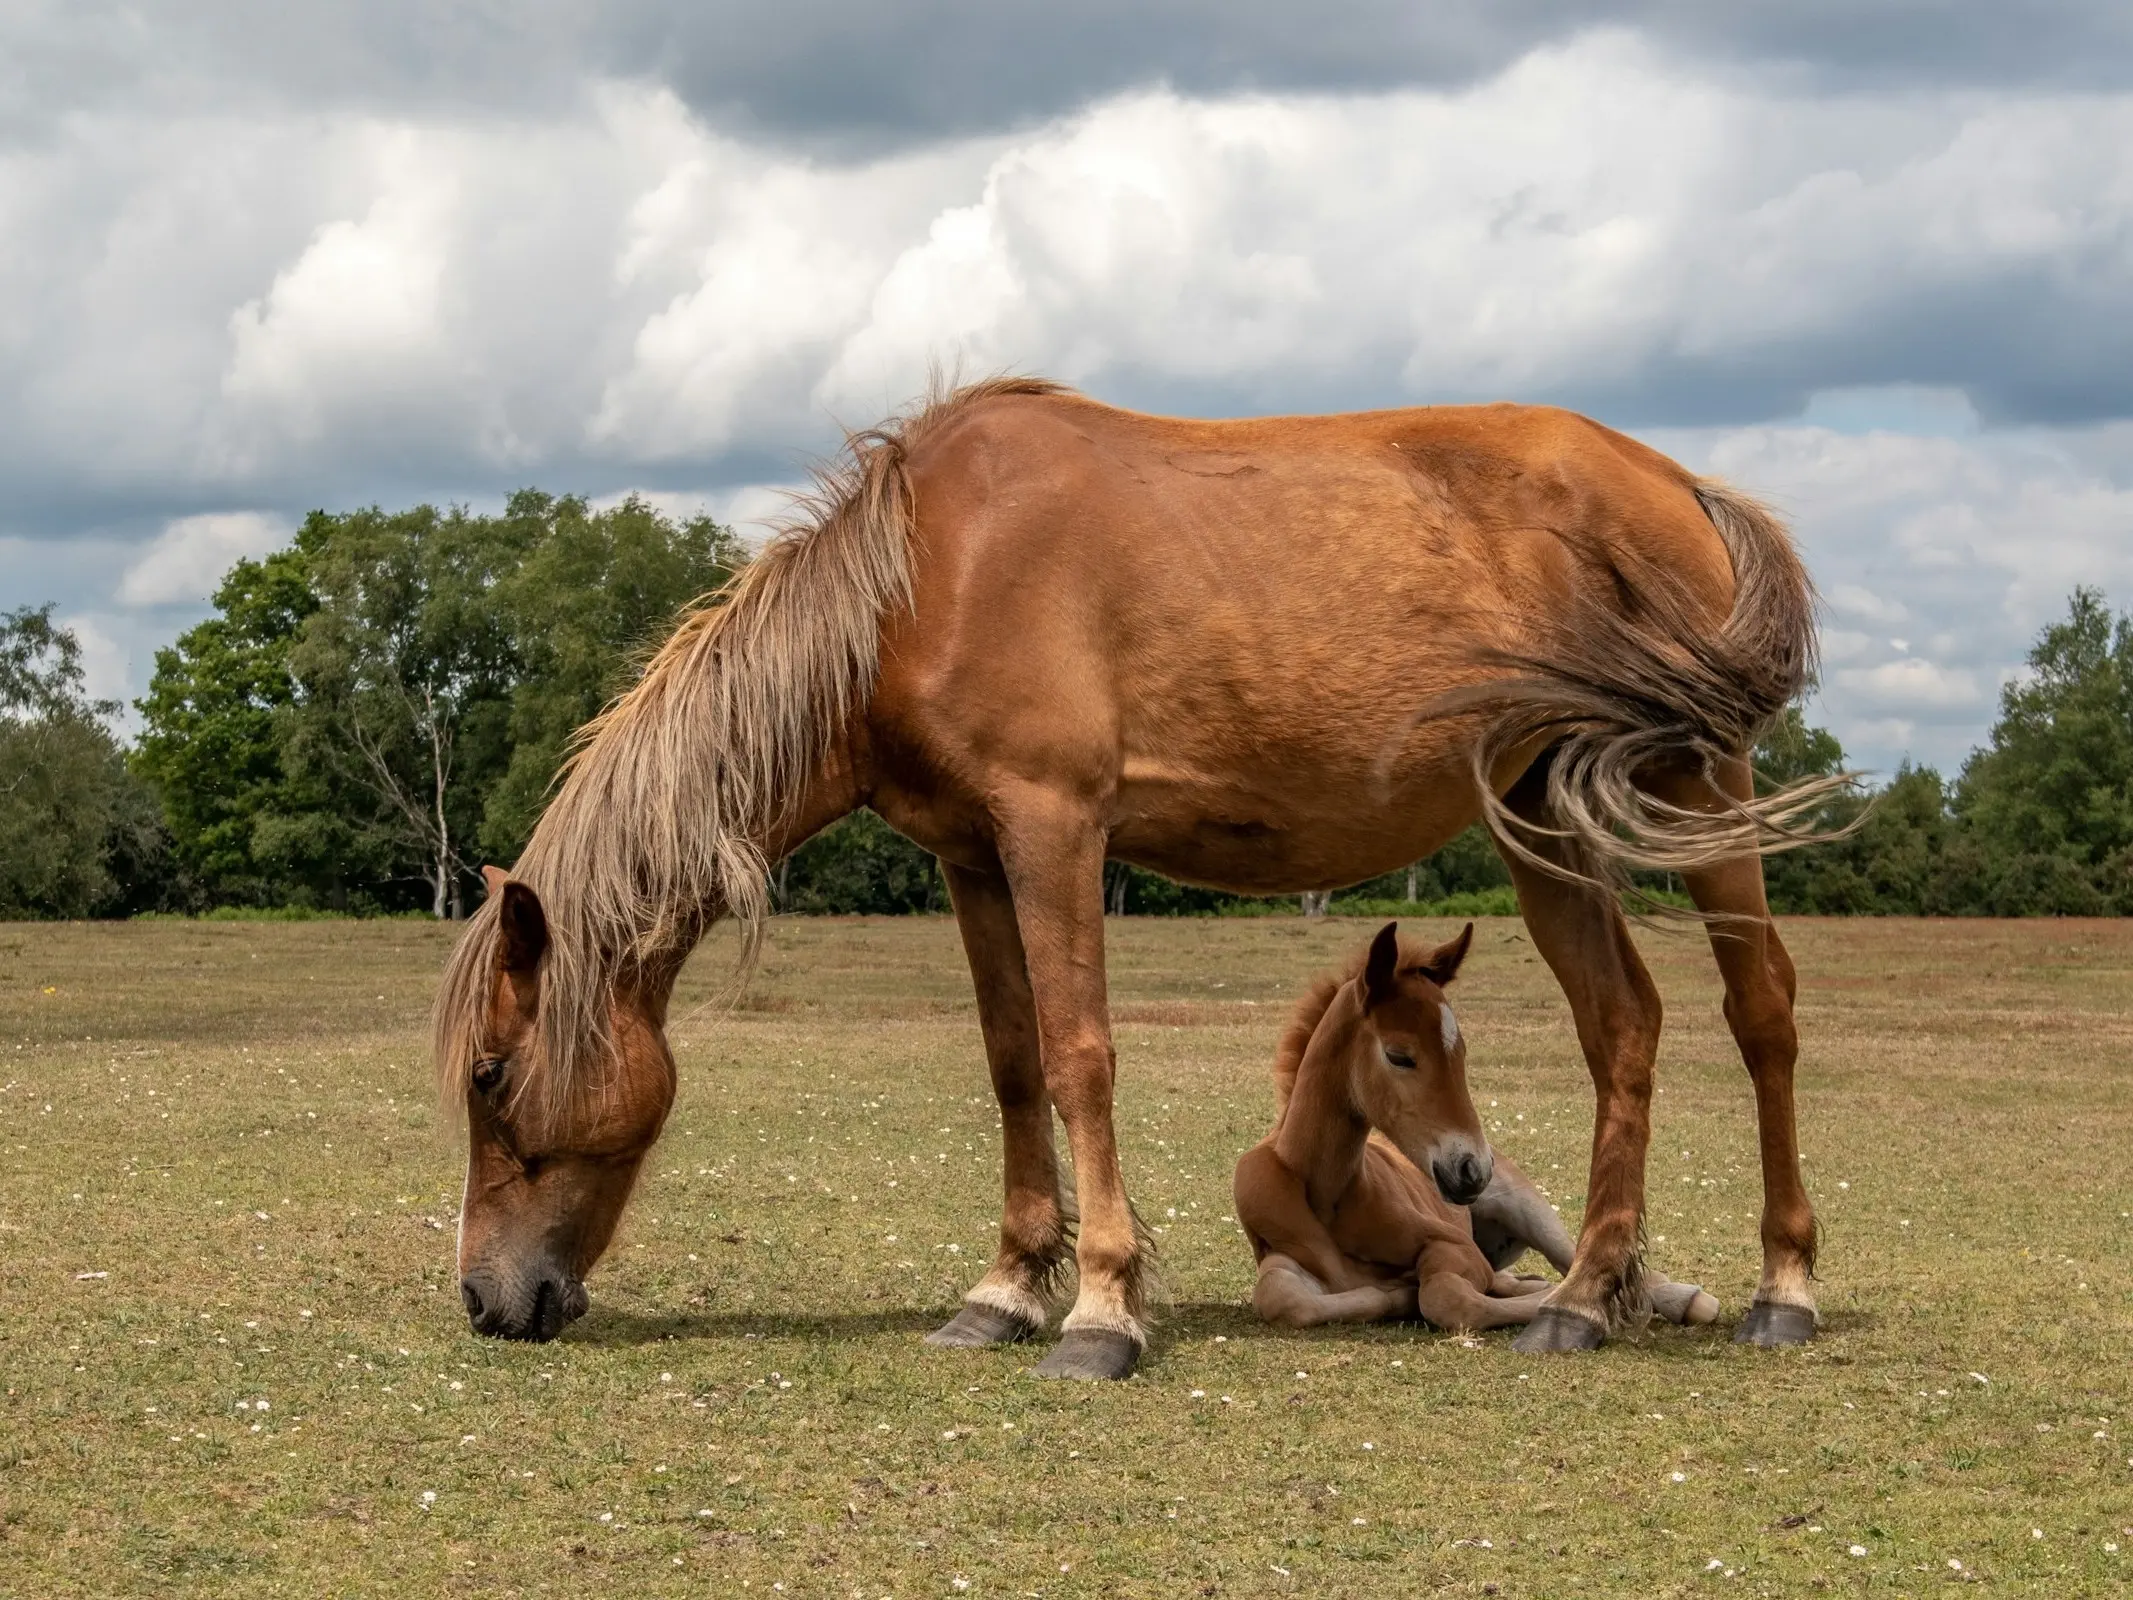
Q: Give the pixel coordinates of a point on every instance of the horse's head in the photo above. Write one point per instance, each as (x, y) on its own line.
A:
(1407, 1066)
(553, 1147)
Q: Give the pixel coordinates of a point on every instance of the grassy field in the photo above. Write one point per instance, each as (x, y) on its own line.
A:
(235, 1363)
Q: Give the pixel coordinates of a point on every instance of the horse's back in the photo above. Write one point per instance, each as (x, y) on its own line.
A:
(1231, 630)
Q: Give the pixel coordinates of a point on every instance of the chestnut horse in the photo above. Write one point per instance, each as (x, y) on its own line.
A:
(1371, 1077)
(1034, 633)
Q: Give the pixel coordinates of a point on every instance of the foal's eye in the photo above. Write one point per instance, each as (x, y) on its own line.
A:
(488, 1072)
(1400, 1058)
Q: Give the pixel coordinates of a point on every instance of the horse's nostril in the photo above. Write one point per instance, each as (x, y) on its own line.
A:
(1460, 1180)
(470, 1296)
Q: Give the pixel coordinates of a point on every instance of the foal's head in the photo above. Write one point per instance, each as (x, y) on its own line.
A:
(553, 1147)
(1407, 1063)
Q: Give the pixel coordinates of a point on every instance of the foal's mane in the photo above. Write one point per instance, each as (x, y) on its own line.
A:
(656, 827)
(1303, 1028)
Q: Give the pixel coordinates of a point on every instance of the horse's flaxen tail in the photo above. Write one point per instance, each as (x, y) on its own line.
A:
(1617, 693)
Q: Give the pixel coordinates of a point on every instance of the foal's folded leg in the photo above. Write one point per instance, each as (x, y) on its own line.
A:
(1460, 1292)
(1292, 1298)
(1685, 1303)
(1512, 1216)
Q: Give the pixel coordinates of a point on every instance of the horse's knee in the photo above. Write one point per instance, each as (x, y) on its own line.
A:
(1446, 1301)
(1286, 1294)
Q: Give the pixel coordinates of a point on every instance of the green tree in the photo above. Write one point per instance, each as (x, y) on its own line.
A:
(241, 827)
(402, 678)
(596, 592)
(2049, 801)
(859, 864)
(68, 806)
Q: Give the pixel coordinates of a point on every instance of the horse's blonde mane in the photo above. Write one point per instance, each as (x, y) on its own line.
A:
(1303, 1027)
(656, 828)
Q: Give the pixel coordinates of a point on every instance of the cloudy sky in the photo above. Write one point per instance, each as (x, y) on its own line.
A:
(1873, 262)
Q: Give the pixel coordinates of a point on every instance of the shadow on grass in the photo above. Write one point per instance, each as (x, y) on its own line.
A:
(614, 1329)
(1183, 1322)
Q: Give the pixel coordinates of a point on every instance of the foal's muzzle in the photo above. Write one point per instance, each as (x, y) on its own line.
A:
(1461, 1176)
(538, 1313)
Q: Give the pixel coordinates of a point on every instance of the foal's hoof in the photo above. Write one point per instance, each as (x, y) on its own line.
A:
(1770, 1324)
(977, 1326)
(1557, 1329)
(1091, 1353)
(1702, 1309)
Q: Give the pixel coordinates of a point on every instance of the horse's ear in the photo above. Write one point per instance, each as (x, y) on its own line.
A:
(493, 880)
(522, 927)
(1384, 964)
(1441, 965)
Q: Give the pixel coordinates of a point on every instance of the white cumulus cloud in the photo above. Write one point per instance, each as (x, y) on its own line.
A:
(185, 563)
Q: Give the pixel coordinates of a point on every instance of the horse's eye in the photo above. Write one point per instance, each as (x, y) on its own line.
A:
(1400, 1058)
(488, 1072)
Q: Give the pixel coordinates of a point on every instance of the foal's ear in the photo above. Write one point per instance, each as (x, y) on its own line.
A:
(493, 880)
(1441, 965)
(523, 927)
(1381, 969)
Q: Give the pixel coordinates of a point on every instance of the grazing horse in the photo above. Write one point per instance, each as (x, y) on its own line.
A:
(1371, 1076)
(1034, 633)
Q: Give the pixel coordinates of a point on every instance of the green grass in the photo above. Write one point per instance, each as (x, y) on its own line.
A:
(230, 1124)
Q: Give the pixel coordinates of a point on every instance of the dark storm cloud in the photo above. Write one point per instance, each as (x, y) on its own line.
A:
(834, 71)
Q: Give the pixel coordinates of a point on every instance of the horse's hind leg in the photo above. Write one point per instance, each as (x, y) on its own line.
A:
(1054, 857)
(1013, 1298)
(1760, 986)
(1581, 933)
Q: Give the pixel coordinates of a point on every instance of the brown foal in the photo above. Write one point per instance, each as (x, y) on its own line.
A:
(1035, 633)
(1346, 1228)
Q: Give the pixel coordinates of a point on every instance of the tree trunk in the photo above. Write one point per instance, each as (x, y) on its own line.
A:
(1315, 902)
(441, 772)
(1414, 881)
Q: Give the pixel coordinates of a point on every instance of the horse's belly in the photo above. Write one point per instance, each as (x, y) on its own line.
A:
(1282, 826)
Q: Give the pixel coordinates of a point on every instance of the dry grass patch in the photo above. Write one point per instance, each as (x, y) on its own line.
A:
(234, 1361)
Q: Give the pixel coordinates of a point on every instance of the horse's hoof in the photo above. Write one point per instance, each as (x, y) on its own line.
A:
(1771, 1325)
(1702, 1309)
(976, 1327)
(1556, 1329)
(1091, 1353)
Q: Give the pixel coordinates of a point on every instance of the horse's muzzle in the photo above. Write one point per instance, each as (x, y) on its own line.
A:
(1462, 1176)
(497, 1313)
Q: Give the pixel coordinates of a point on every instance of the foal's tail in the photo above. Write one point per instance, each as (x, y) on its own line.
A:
(1621, 692)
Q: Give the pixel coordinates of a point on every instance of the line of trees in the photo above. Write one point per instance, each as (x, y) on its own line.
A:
(372, 712)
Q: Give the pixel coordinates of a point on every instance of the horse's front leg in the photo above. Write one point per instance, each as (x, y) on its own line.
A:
(1291, 1297)
(1014, 1297)
(1581, 933)
(1054, 857)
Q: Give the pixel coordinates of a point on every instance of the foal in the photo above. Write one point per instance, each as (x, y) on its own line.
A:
(1372, 1075)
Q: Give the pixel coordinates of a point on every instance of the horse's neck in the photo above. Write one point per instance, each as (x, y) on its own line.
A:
(833, 791)
(1322, 1133)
